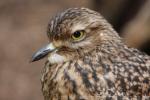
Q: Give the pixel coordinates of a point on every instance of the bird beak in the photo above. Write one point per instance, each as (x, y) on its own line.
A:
(43, 52)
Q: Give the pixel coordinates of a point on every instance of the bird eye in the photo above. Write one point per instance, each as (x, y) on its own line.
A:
(78, 35)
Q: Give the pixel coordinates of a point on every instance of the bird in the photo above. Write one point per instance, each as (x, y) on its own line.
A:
(88, 60)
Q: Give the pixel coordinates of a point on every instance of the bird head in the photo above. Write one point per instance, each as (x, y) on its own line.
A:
(74, 33)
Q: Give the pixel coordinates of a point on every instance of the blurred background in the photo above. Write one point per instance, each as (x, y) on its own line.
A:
(23, 26)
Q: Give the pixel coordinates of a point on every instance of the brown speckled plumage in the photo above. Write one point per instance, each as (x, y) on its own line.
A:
(99, 67)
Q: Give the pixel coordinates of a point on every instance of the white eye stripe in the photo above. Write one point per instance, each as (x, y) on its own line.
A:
(77, 27)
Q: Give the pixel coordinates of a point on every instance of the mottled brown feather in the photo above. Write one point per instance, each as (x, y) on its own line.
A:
(103, 69)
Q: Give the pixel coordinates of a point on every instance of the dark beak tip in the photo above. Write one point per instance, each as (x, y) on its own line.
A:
(38, 56)
(43, 52)
(32, 60)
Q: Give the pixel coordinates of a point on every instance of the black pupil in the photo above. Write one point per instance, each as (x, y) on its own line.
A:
(77, 34)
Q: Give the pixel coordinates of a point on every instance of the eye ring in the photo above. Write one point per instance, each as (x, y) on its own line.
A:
(78, 35)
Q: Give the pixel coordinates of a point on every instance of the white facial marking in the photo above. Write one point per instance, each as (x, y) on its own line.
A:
(78, 27)
(56, 58)
(83, 43)
(50, 46)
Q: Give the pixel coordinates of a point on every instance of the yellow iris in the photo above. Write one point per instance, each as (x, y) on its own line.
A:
(77, 35)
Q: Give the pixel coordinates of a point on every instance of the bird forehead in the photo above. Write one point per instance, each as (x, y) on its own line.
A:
(70, 20)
